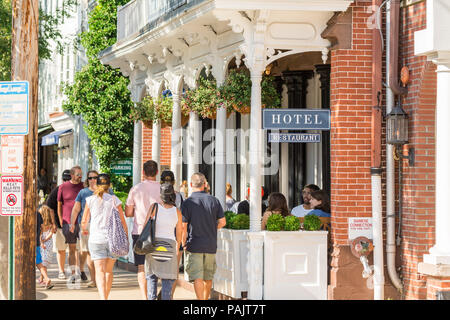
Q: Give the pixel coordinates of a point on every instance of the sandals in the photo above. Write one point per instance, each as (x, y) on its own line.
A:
(49, 285)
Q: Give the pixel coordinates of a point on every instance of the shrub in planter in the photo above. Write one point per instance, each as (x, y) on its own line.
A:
(241, 221)
(291, 223)
(229, 216)
(311, 223)
(275, 222)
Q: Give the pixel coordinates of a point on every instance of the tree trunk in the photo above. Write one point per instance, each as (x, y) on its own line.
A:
(25, 66)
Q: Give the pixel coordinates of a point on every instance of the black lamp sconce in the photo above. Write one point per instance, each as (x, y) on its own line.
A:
(397, 132)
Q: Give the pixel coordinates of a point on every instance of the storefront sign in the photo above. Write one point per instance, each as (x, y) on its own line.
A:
(359, 227)
(12, 195)
(123, 167)
(294, 137)
(296, 119)
(14, 97)
(11, 158)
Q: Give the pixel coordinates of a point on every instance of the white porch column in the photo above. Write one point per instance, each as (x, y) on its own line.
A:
(137, 152)
(220, 158)
(440, 252)
(176, 156)
(156, 144)
(255, 260)
(193, 146)
(433, 43)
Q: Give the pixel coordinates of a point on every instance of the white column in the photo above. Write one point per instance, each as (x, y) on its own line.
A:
(137, 152)
(193, 147)
(440, 252)
(156, 144)
(221, 169)
(256, 261)
(176, 156)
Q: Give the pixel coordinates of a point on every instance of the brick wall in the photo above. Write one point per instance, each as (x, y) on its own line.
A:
(418, 227)
(166, 135)
(351, 84)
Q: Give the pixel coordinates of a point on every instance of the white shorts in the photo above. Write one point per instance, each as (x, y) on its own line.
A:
(83, 240)
(59, 242)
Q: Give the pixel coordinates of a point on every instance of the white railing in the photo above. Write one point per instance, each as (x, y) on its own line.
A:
(137, 13)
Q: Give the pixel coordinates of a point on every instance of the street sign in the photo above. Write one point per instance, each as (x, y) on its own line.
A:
(12, 195)
(296, 119)
(11, 155)
(123, 167)
(294, 137)
(14, 109)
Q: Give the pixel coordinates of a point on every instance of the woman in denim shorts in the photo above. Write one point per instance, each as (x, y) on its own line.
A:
(97, 210)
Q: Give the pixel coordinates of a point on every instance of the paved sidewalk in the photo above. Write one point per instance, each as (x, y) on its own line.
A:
(125, 287)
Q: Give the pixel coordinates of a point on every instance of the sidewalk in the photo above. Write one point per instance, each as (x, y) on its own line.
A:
(125, 287)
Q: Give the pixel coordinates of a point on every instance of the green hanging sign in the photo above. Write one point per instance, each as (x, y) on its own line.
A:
(123, 167)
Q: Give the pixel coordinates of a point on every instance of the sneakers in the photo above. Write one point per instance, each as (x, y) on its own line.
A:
(62, 276)
(72, 279)
(83, 276)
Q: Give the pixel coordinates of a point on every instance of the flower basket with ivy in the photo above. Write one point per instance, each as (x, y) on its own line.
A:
(149, 110)
(204, 100)
(237, 91)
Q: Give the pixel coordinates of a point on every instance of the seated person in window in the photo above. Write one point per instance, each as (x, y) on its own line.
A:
(320, 204)
(277, 205)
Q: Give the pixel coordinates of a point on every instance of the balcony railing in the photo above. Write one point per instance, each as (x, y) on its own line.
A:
(136, 14)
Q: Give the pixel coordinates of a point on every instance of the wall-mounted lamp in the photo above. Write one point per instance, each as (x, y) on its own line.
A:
(397, 132)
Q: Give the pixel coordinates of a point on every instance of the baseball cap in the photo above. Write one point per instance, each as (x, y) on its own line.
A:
(167, 193)
(66, 175)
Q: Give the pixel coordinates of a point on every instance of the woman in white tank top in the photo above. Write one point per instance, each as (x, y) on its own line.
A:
(168, 226)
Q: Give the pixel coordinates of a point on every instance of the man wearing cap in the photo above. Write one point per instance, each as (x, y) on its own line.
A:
(59, 245)
(202, 217)
(67, 194)
(139, 200)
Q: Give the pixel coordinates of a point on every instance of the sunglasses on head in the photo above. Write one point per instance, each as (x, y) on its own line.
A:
(90, 178)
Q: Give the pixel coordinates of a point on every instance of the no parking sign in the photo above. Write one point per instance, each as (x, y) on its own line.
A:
(12, 195)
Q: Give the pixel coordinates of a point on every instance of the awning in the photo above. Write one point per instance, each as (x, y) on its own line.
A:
(44, 128)
(53, 137)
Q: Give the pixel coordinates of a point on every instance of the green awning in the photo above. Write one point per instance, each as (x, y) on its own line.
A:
(44, 128)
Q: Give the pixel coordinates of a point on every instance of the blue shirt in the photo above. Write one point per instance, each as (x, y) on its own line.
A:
(82, 196)
(319, 213)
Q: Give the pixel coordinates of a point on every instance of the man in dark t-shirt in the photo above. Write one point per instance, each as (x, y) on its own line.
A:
(202, 217)
(67, 194)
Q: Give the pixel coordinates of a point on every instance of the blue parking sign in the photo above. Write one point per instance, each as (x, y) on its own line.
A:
(14, 108)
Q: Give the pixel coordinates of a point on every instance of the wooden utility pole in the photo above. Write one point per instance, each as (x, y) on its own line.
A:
(25, 66)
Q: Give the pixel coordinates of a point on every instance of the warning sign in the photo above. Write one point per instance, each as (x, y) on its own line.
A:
(12, 155)
(359, 227)
(12, 195)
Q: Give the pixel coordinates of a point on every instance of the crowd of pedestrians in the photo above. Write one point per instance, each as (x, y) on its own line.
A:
(75, 219)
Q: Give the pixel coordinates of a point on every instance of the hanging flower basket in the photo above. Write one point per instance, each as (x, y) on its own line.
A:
(238, 87)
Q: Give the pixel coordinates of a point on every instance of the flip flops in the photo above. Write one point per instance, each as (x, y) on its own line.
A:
(49, 285)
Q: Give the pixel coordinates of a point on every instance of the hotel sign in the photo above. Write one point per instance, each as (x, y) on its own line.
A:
(296, 119)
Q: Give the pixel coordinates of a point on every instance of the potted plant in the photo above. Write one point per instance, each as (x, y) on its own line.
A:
(295, 260)
(204, 100)
(238, 87)
(150, 109)
(232, 249)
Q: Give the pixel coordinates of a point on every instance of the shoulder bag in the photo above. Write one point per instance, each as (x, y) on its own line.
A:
(146, 241)
(117, 238)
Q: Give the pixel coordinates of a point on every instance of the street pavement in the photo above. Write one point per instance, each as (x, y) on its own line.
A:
(125, 287)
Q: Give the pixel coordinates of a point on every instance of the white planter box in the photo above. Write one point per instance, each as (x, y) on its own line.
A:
(231, 258)
(295, 265)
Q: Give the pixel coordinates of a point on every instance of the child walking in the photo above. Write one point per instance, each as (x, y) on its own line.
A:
(46, 243)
